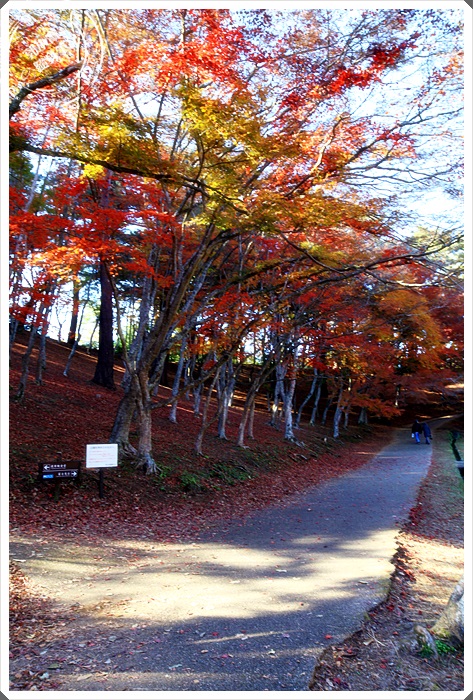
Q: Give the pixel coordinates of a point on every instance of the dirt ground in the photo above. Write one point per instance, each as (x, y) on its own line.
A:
(384, 654)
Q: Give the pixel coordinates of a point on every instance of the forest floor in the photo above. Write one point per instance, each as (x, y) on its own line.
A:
(191, 495)
(67, 413)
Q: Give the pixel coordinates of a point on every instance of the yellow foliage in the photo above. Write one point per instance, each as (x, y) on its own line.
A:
(94, 172)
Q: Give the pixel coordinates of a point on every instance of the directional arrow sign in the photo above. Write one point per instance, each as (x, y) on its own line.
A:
(59, 470)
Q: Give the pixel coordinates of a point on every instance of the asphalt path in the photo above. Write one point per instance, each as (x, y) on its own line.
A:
(247, 607)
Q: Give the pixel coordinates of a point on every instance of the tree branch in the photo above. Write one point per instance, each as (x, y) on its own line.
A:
(42, 83)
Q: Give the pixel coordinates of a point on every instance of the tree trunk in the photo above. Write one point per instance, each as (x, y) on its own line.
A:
(92, 336)
(41, 362)
(336, 422)
(138, 395)
(251, 420)
(279, 394)
(77, 335)
(71, 355)
(288, 399)
(104, 368)
(205, 422)
(315, 408)
(25, 363)
(326, 410)
(307, 399)
(14, 324)
(71, 336)
(187, 375)
(144, 457)
(177, 381)
(121, 428)
(249, 407)
(346, 417)
(226, 387)
(338, 413)
(363, 417)
(148, 294)
(197, 396)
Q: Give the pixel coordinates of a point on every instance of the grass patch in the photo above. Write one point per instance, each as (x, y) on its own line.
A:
(230, 473)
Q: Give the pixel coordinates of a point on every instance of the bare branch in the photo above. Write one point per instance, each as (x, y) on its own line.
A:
(42, 83)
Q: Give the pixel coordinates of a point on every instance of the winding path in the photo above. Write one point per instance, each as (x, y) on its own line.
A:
(247, 608)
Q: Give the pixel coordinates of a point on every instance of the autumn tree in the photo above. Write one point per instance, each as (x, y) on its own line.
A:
(250, 131)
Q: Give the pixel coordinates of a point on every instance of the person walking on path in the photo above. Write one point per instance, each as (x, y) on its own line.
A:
(427, 433)
(417, 429)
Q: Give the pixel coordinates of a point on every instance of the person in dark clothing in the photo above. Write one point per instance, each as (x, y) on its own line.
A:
(427, 433)
(416, 430)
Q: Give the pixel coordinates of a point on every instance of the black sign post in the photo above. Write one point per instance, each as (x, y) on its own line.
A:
(56, 472)
(101, 493)
(101, 456)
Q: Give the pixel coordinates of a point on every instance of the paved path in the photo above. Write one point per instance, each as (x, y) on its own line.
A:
(246, 608)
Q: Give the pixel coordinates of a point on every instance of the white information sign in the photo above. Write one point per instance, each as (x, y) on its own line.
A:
(100, 456)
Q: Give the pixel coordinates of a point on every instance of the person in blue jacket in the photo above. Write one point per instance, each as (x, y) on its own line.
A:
(417, 430)
(427, 433)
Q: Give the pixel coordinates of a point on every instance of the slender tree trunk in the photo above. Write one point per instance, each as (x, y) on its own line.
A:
(363, 417)
(326, 410)
(41, 362)
(77, 335)
(197, 397)
(346, 417)
(13, 331)
(288, 399)
(249, 406)
(307, 399)
(177, 380)
(71, 355)
(338, 413)
(165, 373)
(242, 426)
(226, 387)
(205, 422)
(25, 361)
(187, 375)
(92, 336)
(223, 417)
(251, 419)
(279, 394)
(71, 336)
(104, 368)
(336, 422)
(315, 408)
(157, 370)
(148, 295)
